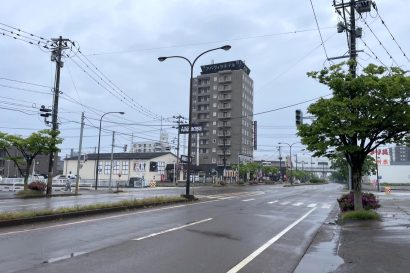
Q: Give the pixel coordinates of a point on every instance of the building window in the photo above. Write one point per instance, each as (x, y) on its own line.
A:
(214, 140)
(213, 160)
(214, 150)
(115, 167)
(100, 167)
(107, 167)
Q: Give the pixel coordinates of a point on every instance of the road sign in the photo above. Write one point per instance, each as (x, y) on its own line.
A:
(195, 128)
(184, 159)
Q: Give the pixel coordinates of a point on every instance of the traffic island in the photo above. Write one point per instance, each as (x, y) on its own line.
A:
(33, 216)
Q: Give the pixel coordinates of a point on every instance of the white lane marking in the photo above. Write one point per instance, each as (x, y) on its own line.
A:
(171, 229)
(312, 205)
(326, 206)
(247, 200)
(103, 218)
(272, 202)
(253, 255)
(285, 203)
(298, 204)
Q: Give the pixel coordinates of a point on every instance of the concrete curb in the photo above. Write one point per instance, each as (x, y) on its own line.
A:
(69, 215)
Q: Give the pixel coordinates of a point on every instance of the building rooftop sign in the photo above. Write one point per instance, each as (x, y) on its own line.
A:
(234, 65)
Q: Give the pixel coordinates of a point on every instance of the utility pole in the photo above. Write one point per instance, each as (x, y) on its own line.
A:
(112, 158)
(349, 26)
(60, 44)
(179, 120)
(77, 179)
(280, 163)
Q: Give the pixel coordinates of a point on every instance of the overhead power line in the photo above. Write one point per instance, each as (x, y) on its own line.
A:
(377, 38)
(318, 28)
(102, 77)
(205, 43)
(388, 30)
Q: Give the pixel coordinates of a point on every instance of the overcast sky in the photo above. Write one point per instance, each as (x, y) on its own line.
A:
(278, 40)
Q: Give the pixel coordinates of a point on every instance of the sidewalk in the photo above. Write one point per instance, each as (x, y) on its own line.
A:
(364, 246)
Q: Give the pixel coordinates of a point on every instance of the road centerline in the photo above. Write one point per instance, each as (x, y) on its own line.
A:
(258, 251)
(171, 229)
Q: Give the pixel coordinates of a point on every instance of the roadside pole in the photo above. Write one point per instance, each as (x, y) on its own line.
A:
(112, 158)
(77, 179)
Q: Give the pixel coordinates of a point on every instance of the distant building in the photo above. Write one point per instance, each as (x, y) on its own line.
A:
(153, 146)
(153, 165)
(222, 102)
(400, 155)
(40, 164)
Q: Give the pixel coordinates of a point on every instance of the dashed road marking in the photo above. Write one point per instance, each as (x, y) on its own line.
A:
(273, 202)
(247, 200)
(326, 206)
(171, 229)
(312, 205)
(298, 204)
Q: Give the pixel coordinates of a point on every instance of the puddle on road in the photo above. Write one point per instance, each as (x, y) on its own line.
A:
(321, 259)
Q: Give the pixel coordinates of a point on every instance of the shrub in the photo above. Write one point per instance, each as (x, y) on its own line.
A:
(316, 180)
(37, 186)
(369, 201)
(360, 215)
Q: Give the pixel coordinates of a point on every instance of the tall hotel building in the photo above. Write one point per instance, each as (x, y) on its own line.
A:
(222, 102)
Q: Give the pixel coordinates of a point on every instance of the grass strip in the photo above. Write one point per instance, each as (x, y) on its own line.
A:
(98, 206)
(360, 215)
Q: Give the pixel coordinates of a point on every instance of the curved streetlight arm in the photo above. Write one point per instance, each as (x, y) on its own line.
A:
(99, 142)
(191, 64)
(161, 59)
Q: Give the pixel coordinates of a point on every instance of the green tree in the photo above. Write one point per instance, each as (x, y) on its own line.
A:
(248, 167)
(340, 164)
(364, 112)
(41, 142)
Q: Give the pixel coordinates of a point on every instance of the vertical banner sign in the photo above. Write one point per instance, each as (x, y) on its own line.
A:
(255, 134)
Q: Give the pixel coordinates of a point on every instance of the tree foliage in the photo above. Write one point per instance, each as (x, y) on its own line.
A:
(41, 142)
(341, 166)
(364, 112)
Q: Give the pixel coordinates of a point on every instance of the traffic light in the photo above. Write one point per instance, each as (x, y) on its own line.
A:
(299, 117)
(45, 111)
(125, 148)
(153, 166)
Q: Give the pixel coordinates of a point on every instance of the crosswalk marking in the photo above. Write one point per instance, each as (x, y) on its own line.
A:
(272, 202)
(326, 206)
(298, 204)
(312, 205)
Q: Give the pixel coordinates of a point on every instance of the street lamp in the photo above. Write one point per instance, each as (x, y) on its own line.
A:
(191, 64)
(290, 156)
(99, 140)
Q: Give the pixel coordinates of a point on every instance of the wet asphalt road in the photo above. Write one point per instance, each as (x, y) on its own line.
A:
(91, 197)
(249, 229)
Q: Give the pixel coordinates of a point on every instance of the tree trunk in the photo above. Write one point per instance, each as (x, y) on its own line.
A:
(26, 175)
(357, 186)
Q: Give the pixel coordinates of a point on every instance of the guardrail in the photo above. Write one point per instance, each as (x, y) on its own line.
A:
(16, 184)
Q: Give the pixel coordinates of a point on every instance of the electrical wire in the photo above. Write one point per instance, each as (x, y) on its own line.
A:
(377, 38)
(388, 30)
(318, 28)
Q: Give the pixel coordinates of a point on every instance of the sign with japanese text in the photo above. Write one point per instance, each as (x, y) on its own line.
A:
(184, 129)
(382, 156)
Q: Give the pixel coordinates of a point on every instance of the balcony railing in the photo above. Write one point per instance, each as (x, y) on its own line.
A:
(224, 106)
(225, 97)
